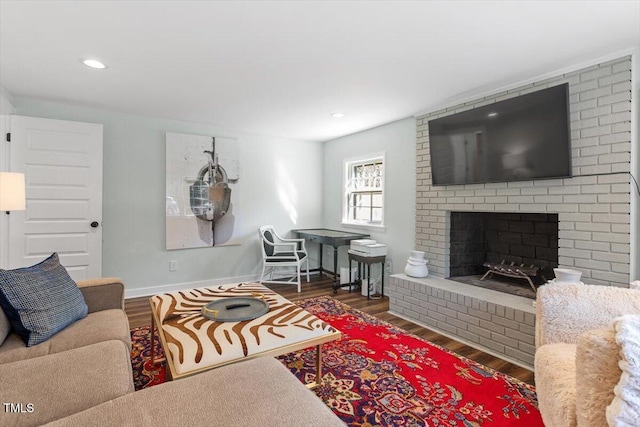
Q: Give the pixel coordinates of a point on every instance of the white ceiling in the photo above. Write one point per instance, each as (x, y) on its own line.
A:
(281, 68)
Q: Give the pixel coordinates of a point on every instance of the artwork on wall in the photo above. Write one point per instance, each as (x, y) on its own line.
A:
(201, 191)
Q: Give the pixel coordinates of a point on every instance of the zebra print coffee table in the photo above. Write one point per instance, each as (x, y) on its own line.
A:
(192, 343)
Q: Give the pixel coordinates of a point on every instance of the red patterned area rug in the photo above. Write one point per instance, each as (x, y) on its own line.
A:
(380, 375)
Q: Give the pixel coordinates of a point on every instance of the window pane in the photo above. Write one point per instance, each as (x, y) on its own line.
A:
(362, 214)
(377, 214)
(377, 200)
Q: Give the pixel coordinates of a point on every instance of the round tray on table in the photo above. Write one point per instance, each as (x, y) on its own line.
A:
(235, 309)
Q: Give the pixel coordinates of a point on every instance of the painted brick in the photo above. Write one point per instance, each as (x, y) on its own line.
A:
(621, 106)
(479, 331)
(623, 65)
(529, 319)
(615, 138)
(501, 321)
(612, 99)
(479, 314)
(447, 312)
(491, 326)
(459, 324)
(612, 257)
(508, 342)
(520, 336)
(527, 329)
(595, 74)
(595, 93)
(469, 336)
(527, 347)
(458, 308)
(525, 358)
(615, 78)
(492, 345)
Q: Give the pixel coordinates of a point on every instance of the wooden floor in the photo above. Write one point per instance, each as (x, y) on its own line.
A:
(139, 314)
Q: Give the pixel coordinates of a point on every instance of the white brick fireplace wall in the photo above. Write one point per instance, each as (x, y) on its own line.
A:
(593, 206)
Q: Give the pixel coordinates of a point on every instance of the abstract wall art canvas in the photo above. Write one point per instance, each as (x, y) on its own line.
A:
(202, 179)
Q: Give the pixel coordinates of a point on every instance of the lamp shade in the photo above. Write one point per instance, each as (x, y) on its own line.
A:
(12, 197)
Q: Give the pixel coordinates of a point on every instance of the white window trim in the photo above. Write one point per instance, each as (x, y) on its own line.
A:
(345, 190)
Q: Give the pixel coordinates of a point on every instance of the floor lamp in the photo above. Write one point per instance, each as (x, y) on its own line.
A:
(12, 198)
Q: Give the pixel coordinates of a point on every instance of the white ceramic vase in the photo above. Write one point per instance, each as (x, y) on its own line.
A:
(416, 265)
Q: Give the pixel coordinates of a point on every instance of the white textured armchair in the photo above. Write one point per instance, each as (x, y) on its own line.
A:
(577, 358)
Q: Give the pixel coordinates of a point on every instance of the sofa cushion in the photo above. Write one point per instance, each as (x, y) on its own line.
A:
(40, 300)
(96, 327)
(5, 326)
(555, 369)
(256, 392)
(597, 372)
(65, 383)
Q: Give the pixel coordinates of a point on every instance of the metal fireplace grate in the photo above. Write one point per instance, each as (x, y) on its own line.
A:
(513, 271)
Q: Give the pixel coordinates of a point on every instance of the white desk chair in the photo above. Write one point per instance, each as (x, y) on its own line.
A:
(278, 252)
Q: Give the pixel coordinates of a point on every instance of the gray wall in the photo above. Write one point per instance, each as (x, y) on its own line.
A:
(594, 206)
(398, 141)
(281, 183)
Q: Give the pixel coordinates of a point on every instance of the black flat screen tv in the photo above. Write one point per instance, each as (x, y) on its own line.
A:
(523, 138)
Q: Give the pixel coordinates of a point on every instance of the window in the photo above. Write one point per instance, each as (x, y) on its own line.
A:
(364, 191)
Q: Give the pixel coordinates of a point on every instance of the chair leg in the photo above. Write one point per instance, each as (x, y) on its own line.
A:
(307, 269)
(299, 280)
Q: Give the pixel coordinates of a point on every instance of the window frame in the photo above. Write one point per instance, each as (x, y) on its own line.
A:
(349, 191)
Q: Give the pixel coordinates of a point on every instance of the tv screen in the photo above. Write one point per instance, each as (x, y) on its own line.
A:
(522, 138)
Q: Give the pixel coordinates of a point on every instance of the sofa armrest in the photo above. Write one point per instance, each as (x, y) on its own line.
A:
(563, 311)
(103, 294)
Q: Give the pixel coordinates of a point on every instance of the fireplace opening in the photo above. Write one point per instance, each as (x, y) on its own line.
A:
(508, 252)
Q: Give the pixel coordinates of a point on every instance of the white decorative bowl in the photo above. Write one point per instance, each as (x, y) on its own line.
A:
(416, 270)
(566, 275)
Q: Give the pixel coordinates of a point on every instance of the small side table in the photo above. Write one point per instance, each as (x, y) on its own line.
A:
(368, 260)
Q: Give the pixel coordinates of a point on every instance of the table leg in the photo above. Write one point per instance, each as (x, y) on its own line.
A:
(350, 274)
(368, 280)
(321, 259)
(382, 290)
(152, 339)
(335, 266)
(318, 380)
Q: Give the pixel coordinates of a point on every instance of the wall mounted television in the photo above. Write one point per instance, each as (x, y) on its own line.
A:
(523, 138)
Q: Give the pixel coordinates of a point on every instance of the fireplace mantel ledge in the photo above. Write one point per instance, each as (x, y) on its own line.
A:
(489, 295)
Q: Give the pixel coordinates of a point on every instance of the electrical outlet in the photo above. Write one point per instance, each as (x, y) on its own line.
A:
(173, 265)
(388, 265)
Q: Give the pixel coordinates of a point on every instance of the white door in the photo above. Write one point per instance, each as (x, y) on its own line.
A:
(62, 163)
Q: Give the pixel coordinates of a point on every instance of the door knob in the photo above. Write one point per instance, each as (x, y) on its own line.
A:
(95, 224)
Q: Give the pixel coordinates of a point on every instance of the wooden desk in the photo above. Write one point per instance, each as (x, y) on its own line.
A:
(335, 238)
(368, 260)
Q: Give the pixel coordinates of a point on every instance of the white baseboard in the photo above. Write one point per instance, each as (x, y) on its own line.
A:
(153, 290)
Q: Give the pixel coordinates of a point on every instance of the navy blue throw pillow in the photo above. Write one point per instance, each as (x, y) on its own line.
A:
(40, 300)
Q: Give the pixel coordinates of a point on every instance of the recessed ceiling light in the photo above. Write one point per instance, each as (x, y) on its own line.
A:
(337, 115)
(492, 114)
(94, 63)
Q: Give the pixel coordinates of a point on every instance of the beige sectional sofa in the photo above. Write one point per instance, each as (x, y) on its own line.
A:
(82, 376)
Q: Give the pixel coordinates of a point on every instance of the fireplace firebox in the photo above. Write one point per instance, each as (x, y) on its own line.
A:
(520, 248)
